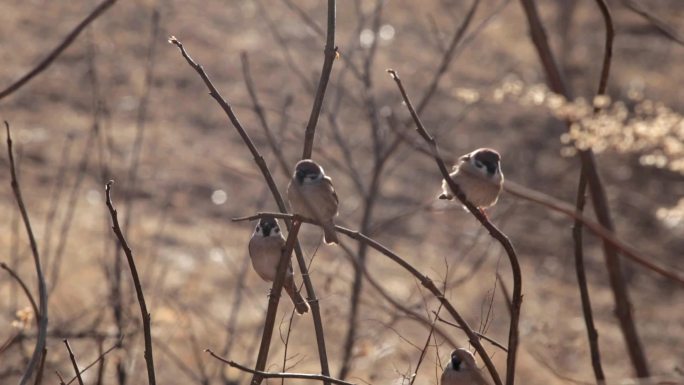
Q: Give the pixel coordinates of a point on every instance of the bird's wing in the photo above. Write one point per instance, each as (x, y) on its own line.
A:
(328, 183)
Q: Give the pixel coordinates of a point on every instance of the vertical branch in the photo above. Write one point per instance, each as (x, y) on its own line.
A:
(149, 360)
(330, 52)
(623, 306)
(273, 301)
(277, 196)
(592, 334)
(42, 288)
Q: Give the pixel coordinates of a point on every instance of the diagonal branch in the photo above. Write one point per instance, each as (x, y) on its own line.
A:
(100, 9)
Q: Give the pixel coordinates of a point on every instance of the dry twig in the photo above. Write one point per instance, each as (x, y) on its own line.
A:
(149, 359)
(42, 314)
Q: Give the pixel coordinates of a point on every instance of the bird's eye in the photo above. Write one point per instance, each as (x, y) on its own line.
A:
(478, 164)
(276, 230)
(258, 229)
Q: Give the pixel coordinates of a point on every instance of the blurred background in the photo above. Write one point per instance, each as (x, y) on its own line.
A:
(121, 103)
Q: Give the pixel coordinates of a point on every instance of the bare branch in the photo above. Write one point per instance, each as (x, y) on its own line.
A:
(302, 376)
(100, 9)
(330, 52)
(623, 306)
(149, 359)
(73, 362)
(42, 313)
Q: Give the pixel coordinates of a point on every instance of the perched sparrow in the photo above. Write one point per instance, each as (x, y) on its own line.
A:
(265, 248)
(462, 370)
(312, 195)
(479, 175)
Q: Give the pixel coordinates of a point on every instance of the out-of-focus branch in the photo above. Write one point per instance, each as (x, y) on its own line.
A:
(657, 22)
(277, 196)
(301, 376)
(42, 313)
(259, 111)
(493, 231)
(45, 63)
(423, 279)
(597, 229)
(623, 306)
(26, 290)
(330, 52)
(149, 359)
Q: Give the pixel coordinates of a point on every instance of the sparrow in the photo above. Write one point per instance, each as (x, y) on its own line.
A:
(312, 195)
(462, 370)
(479, 175)
(265, 248)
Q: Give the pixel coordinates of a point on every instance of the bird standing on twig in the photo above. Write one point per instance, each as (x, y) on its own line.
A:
(312, 195)
(265, 248)
(462, 370)
(479, 176)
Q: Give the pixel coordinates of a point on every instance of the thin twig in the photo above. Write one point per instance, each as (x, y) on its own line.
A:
(58, 50)
(484, 337)
(493, 231)
(302, 376)
(623, 306)
(149, 360)
(425, 347)
(73, 362)
(42, 313)
(423, 279)
(98, 359)
(25, 288)
(259, 111)
(330, 52)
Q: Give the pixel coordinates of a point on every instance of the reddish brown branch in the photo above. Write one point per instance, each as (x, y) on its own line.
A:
(623, 306)
(45, 63)
(149, 359)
